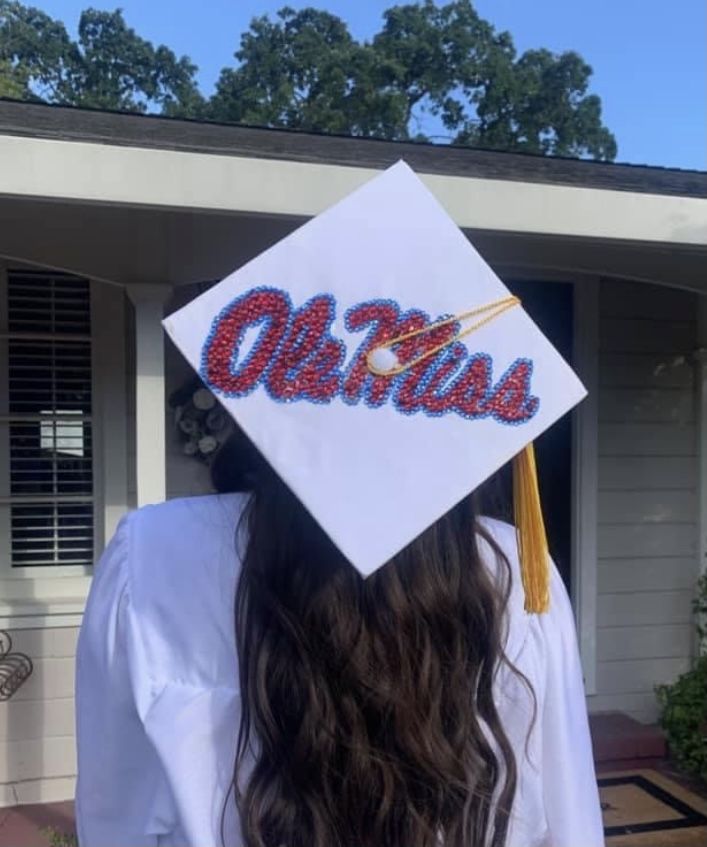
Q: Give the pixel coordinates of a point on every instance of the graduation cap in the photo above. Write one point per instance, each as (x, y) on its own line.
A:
(384, 371)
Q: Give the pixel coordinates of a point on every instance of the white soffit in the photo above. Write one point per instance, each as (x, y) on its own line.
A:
(97, 173)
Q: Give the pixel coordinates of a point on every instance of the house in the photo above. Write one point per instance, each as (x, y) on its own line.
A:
(109, 221)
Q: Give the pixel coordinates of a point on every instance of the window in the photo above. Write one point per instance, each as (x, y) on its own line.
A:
(45, 421)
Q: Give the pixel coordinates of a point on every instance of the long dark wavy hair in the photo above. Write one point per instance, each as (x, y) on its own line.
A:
(367, 708)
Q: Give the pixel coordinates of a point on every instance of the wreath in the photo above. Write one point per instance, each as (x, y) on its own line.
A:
(201, 423)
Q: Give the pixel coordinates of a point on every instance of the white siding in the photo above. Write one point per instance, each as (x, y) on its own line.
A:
(37, 736)
(646, 537)
(647, 532)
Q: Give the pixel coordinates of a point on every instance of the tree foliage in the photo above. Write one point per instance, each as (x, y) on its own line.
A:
(108, 66)
(431, 71)
(12, 82)
(683, 704)
(428, 64)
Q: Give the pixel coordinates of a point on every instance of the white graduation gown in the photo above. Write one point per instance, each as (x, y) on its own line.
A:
(157, 694)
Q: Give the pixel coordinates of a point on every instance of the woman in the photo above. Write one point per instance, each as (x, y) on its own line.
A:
(378, 682)
(419, 707)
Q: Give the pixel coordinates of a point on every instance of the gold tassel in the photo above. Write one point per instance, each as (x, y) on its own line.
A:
(532, 539)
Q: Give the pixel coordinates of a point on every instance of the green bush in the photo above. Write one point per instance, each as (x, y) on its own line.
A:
(60, 839)
(684, 703)
(700, 607)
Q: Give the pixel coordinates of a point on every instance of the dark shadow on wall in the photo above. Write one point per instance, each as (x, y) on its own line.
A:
(551, 306)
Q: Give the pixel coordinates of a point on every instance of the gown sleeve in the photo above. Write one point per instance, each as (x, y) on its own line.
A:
(118, 771)
(571, 796)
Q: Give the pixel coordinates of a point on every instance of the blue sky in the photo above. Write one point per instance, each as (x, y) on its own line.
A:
(649, 56)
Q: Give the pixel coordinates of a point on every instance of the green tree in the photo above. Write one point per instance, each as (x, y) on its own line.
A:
(107, 67)
(429, 63)
(12, 82)
(33, 51)
(305, 71)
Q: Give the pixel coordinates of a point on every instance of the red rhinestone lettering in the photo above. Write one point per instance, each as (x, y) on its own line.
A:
(511, 401)
(409, 397)
(386, 321)
(296, 357)
(308, 359)
(267, 307)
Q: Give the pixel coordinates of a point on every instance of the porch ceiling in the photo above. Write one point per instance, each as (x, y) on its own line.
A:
(144, 245)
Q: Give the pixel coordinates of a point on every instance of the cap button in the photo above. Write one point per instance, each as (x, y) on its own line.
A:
(382, 360)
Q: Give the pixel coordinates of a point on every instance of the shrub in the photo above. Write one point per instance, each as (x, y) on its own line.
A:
(684, 703)
(60, 839)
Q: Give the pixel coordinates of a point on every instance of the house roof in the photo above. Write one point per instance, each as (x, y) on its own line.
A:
(154, 132)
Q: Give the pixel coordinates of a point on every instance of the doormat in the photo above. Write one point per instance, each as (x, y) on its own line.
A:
(646, 809)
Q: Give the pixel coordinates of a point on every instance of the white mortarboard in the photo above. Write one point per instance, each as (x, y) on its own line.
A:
(293, 343)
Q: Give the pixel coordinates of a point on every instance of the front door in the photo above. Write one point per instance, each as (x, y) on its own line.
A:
(550, 305)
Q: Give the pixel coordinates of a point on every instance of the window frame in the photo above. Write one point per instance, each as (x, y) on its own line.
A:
(55, 595)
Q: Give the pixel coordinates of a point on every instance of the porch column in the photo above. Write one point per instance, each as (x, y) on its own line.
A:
(701, 408)
(150, 435)
(585, 476)
(701, 402)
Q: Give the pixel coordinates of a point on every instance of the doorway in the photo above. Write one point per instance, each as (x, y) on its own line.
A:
(551, 306)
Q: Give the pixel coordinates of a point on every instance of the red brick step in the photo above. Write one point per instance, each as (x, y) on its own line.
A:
(620, 741)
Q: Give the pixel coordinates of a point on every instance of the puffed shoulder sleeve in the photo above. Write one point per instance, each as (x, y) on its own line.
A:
(118, 771)
(569, 781)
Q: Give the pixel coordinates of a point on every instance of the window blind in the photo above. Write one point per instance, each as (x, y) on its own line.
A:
(49, 419)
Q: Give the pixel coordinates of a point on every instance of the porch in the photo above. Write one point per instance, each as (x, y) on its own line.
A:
(146, 212)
